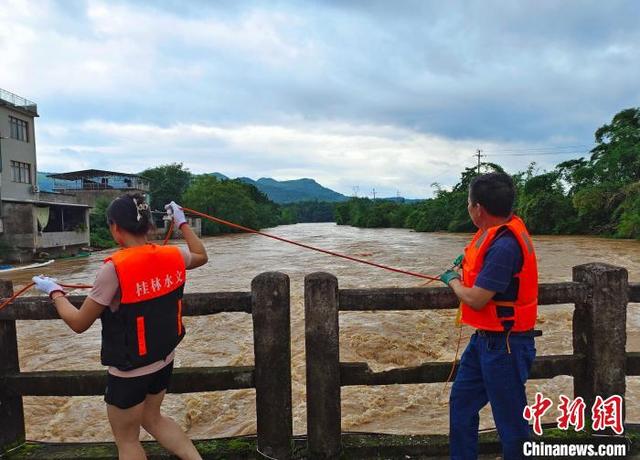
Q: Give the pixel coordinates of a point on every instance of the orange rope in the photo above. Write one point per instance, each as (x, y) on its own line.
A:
(455, 358)
(306, 246)
(169, 232)
(30, 285)
(248, 230)
(70, 286)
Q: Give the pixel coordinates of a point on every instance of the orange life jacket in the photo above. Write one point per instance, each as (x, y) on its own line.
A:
(518, 315)
(148, 325)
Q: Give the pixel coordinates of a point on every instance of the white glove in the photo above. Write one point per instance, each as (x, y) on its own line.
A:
(47, 285)
(174, 210)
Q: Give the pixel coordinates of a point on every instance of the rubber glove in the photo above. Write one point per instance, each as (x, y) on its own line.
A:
(47, 285)
(448, 276)
(174, 210)
(458, 261)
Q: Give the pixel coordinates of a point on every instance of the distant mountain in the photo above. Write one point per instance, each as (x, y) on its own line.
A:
(286, 191)
(218, 175)
(291, 191)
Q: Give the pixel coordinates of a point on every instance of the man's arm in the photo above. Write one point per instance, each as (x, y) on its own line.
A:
(476, 297)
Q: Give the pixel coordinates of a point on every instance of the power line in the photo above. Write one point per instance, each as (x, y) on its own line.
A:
(558, 149)
(535, 154)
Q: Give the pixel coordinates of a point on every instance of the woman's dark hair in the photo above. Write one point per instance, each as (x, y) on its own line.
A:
(495, 192)
(131, 213)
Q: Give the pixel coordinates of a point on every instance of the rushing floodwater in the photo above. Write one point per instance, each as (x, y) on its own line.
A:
(385, 340)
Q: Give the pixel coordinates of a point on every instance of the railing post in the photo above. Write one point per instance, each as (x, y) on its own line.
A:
(600, 331)
(272, 351)
(11, 410)
(323, 366)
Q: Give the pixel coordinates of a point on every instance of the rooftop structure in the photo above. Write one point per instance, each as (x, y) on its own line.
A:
(97, 179)
(18, 102)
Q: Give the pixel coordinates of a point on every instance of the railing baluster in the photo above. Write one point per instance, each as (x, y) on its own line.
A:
(272, 351)
(11, 410)
(323, 367)
(600, 331)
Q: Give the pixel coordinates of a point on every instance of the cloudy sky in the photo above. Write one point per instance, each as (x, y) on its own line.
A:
(394, 95)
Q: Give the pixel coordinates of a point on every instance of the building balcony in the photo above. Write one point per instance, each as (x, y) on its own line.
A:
(18, 102)
(97, 180)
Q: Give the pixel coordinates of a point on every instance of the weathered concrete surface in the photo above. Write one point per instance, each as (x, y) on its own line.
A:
(434, 298)
(544, 367)
(600, 331)
(323, 367)
(198, 304)
(634, 292)
(11, 409)
(361, 446)
(87, 383)
(272, 351)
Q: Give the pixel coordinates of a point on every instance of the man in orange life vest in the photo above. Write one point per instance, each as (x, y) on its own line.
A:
(498, 294)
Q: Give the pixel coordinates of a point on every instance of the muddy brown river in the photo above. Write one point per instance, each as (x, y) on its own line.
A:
(383, 339)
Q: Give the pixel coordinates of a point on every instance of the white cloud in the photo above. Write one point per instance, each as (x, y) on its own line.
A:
(376, 94)
(338, 155)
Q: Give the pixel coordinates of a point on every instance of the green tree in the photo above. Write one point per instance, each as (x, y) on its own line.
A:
(99, 234)
(616, 156)
(166, 183)
(229, 200)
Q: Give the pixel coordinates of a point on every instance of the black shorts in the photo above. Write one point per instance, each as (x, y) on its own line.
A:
(125, 392)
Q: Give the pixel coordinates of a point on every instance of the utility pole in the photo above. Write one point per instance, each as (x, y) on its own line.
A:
(374, 194)
(356, 189)
(479, 155)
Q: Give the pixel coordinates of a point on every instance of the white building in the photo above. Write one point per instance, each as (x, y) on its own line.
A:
(31, 221)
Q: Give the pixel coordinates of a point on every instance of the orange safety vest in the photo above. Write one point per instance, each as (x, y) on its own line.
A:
(148, 325)
(499, 315)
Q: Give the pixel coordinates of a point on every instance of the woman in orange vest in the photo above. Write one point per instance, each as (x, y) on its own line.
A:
(138, 297)
(498, 295)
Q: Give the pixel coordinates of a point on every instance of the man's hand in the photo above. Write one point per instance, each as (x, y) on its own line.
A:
(174, 210)
(448, 276)
(47, 285)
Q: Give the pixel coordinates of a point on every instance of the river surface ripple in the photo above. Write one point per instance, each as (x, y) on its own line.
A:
(383, 339)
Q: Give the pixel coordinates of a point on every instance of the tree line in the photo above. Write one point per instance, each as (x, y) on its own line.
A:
(229, 199)
(599, 195)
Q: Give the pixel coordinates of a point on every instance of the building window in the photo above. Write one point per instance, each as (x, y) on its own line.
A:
(19, 129)
(21, 172)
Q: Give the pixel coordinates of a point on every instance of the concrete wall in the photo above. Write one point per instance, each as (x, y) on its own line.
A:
(15, 150)
(62, 239)
(23, 240)
(19, 230)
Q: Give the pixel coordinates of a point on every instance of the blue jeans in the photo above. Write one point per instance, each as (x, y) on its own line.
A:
(488, 373)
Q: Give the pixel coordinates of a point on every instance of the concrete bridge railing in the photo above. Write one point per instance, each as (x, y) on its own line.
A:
(268, 303)
(599, 362)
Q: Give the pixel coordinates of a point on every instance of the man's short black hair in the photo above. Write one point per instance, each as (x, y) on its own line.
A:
(495, 192)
